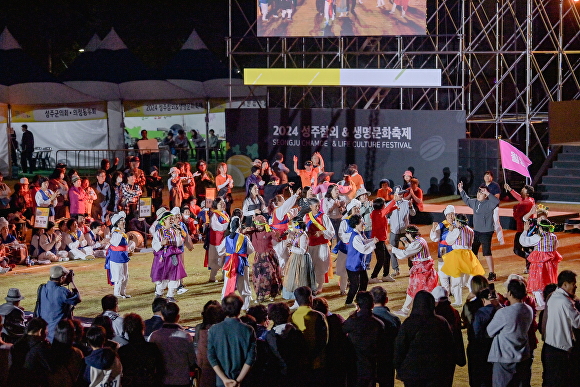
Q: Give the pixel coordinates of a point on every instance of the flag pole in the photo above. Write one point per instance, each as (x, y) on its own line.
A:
(500, 160)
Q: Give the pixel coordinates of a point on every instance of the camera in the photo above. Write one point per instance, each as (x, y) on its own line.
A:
(69, 277)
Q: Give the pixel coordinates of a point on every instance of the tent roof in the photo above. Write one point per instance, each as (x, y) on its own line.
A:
(24, 82)
(93, 44)
(112, 72)
(110, 62)
(195, 62)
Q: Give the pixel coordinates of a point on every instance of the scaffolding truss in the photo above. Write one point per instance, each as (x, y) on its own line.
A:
(502, 61)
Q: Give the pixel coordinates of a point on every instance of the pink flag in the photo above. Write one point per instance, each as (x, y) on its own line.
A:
(514, 159)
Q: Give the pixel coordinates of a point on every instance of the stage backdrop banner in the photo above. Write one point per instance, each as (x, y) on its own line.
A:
(383, 143)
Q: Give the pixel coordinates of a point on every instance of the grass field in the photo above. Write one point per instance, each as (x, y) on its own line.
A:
(91, 281)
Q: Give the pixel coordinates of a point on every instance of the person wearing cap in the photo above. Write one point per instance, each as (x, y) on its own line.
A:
(483, 207)
(398, 221)
(117, 259)
(341, 247)
(460, 264)
(130, 194)
(422, 275)
(357, 249)
(12, 316)
(281, 211)
(27, 162)
(385, 192)
(525, 204)
(49, 244)
(77, 197)
(438, 234)
(543, 260)
(320, 231)
(407, 176)
(510, 350)
(167, 269)
(307, 175)
(56, 301)
(134, 163)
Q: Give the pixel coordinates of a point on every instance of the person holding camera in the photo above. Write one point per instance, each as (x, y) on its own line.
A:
(54, 301)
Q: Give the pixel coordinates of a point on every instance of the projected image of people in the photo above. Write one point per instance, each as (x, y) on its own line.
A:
(279, 18)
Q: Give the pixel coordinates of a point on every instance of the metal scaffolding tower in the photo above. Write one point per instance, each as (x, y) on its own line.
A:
(502, 62)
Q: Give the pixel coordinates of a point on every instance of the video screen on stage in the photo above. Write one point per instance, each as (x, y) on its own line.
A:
(295, 18)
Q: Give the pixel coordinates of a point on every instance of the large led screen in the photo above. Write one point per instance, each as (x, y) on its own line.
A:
(341, 17)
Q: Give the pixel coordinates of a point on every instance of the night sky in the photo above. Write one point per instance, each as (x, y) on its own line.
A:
(153, 30)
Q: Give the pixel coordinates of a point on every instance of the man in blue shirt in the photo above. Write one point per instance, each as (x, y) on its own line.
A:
(56, 301)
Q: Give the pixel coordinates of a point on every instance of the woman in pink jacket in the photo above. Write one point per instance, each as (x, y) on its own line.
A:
(77, 197)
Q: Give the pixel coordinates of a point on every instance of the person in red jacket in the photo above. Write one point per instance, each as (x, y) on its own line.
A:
(525, 204)
(380, 231)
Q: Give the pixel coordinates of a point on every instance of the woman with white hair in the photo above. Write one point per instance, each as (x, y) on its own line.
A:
(117, 260)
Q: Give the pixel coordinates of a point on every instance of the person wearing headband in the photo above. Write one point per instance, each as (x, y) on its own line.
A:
(438, 234)
(266, 275)
(167, 269)
(422, 275)
(235, 248)
(543, 260)
(460, 264)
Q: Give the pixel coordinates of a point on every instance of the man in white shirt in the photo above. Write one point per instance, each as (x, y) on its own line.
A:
(560, 317)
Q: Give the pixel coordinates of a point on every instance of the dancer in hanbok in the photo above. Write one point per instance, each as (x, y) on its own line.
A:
(235, 248)
(543, 260)
(282, 211)
(167, 269)
(438, 233)
(299, 270)
(76, 244)
(117, 259)
(422, 275)
(266, 274)
(460, 264)
(341, 248)
(217, 226)
(320, 232)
